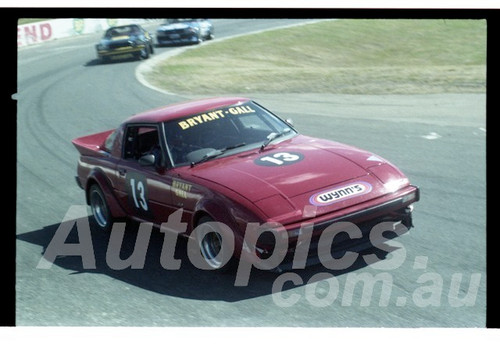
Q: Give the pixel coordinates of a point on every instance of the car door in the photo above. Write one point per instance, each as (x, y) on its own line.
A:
(144, 189)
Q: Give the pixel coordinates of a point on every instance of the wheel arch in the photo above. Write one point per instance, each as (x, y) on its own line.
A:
(228, 212)
(197, 216)
(216, 209)
(99, 178)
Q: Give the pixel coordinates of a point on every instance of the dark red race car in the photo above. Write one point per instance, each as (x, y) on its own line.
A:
(231, 162)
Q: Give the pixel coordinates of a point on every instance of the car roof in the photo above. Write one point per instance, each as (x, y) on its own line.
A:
(179, 110)
(124, 26)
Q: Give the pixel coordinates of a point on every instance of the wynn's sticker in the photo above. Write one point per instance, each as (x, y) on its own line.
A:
(341, 193)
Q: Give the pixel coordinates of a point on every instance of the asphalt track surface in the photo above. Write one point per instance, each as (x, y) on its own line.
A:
(438, 271)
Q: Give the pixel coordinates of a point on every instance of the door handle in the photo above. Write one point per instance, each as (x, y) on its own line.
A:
(122, 171)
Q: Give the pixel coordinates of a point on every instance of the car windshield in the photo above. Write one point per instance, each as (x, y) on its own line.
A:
(179, 20)
(121, 31)
(194, 139)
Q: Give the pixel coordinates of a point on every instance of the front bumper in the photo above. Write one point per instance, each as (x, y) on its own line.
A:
(107, 53)
(187, 38)
(397, 212)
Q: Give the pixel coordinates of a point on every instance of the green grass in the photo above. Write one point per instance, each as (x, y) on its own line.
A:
(23, 21)
(343, 56)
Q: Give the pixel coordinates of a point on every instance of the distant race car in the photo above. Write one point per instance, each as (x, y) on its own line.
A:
(230, 161)
(124, 41)
(184, 31)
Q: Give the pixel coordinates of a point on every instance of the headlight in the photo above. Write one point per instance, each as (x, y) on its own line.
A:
(395, 184)
(414, 196)
(392, 178)
(409, 197)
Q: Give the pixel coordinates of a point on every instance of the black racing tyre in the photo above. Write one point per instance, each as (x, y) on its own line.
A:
(144, 53)
(211, 245)
(101, 215)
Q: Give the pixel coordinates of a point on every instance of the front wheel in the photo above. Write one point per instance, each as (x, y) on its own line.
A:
(101, 215)
(144, 53)
(215, 245)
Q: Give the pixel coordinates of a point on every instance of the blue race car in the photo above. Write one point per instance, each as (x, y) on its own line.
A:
(184, 31)
(122, 41)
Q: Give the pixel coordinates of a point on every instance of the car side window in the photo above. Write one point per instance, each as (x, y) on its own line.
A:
(140, 141)
(110, 141)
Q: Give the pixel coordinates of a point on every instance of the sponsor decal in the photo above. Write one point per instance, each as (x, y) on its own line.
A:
(181, 189)
(121, 37)
(328, 197)
(214, 115)
(279, 159)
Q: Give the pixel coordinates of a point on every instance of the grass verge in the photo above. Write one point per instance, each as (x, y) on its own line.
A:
(343, 57)
(23, 21)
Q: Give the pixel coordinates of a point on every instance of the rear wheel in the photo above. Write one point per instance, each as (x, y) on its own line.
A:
(102, 217)
(105, 59)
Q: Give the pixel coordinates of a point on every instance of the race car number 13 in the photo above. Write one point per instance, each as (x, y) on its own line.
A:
(279, 159)
(137, 191)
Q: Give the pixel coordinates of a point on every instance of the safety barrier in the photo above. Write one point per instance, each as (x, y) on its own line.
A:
(43, 31)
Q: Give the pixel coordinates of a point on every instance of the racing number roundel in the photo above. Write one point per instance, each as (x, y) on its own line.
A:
(279, 159)
(138, 193)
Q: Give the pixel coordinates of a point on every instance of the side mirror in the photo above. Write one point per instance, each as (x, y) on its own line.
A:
(147, 160)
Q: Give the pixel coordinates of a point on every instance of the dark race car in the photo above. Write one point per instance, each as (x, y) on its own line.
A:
(184, 31)
(235, 166)
(125, 41)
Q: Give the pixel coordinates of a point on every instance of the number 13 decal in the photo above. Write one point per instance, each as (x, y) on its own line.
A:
(137, 191)
(279, 159)
(138, 194)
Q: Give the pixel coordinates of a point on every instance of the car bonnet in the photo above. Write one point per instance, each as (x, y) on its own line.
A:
(298, 172)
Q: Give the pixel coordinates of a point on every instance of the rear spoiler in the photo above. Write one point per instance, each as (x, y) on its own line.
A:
(91, 144)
